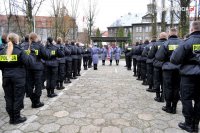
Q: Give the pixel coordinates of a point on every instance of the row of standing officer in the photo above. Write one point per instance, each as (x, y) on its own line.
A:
(172, 71)
(23, 67)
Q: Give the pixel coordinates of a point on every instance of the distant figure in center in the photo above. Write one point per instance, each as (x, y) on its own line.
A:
(117, 52)
(104, 53)
(95, 55)
(110, 54)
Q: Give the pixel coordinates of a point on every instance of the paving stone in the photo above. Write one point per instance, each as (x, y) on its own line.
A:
(98, 122)
(61, 114)
(90, 129)
(77, 114)
(123, 122)
(173, 130)
(146, 117)
(52, 127)
(13, 131)
(131, 130)
(30, 127)
(65, 121)
(69, 129)
(111, 129)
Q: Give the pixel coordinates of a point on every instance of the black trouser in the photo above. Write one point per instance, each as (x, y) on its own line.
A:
(35, 84)
(143, 70)
(44, 76)
(103, 62)
(117, 62)
(79, 62)
(150, 74)
(14, 89)
(134, 66)
(95, 66)
(85, 62)
(126, 60)
(139, 69)
(129, 61)
(74, 67)
(110, 61)
(61, 72)
(27, 84)
(158, 80)
(52, 74)
(190, 90)
(89, 61)
(68, 67)
(171, 86)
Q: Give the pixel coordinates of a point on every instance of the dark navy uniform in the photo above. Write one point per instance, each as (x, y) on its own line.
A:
(143, 63)
(89, 57)
(188, 56)
(137, 48)
(61, 67)
(149, 63)
(52, 66)
(171, 78)
(68, 64)
(134, 56)
(14, 74)
(80, 56)
(35, 73)
(85, 58)
(74, 53)
(128, 56)
(158, 80)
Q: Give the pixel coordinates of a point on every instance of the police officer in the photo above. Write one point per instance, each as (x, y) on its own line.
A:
(85, 57)
(128, 55)
(74, 53)
(104, 53)
(188, 56)
(143, 63)
(110, 54)
(12, 62)
(171, 78)
(52, 66)
(95, 55)
(80, 56)
(117, 52)
(149, 63)
(68, 65)
(134, 60)
(158, 79)
(61, 66)
(89, 56)
(137, 48)
(35, 71)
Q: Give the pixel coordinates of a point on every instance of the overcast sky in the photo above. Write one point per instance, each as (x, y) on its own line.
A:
(108, 10)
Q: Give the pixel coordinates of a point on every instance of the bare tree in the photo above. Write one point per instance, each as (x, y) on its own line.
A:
(172, 13)
(154, 18)
(90, 15)
(74, 14)
(163, 17)
(30, 8)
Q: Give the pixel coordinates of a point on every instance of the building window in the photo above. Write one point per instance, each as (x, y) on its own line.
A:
(138, 38)
(138, 29)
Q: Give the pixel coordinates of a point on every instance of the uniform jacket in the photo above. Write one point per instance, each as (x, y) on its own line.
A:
(40, 53)
(188, 55)
(146, 52)
(117, 52)
(74, 51)
(153, 51)
(128, 51)
(104, 53)
(165, 52)
(80, 52)
(55, 52)
(15, 67)
(66, 52)
(95, 55)
(68, 57)
(110, 53)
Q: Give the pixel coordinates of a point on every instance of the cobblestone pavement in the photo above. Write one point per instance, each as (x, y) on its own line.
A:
(109, 100)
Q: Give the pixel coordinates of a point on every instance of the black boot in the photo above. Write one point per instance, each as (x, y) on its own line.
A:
(168, 107)
(162, 97)
(157, 98)
(57, 86)
(61, 85)
(187, 125)
(37, 103)
(196, 125)
(174, 105)
(67, 81)
(48, 93)
(11, 116)
(18, 119)
(53, 94)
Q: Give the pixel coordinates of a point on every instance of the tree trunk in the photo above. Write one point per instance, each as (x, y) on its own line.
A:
(154, 19)
(29, 16)
(172, 14)
(163, 23)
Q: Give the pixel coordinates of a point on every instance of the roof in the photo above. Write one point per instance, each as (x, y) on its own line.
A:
(110, 39)
(128, 20)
